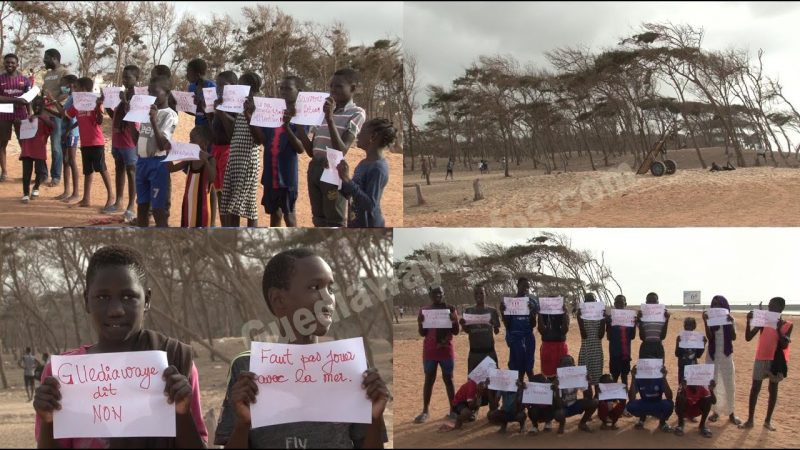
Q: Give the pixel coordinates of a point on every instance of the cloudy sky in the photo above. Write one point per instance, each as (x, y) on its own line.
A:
(746, 265)
(447, 37)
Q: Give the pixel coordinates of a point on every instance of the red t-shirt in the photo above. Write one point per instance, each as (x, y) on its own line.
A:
(14, 86)
(432, 350)
(466, 393)
(91, 132)
(36, 147)
(123, 138)
(695, 393)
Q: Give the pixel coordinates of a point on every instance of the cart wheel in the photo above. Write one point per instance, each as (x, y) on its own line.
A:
(657, 168)
(672, 166)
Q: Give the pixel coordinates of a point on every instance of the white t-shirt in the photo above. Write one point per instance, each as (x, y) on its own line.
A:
(167, 121)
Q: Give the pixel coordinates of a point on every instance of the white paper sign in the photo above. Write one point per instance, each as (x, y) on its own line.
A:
(592, 310)
(692, 339)
(653, 313)
(185, 101)
(84, 101)
(612, 391)
(28, 128)
(330, 174)
(572, 377)
(268, 113)
(292, 377)
(519, 306)
(477, 319)
(698, 374)
(503, 380)
(182, 151)
(141, 90)
(436, 318)
(31, 94)
(112, 395)
(111, 96)
(482, 371)
(210, 96)
(623, 317)
(309, 108)
(233, 97)
(551, 305)
(537, 394)
(764, 318)
(649, 368)
(7, 108)
(140, 108)
(717, 317)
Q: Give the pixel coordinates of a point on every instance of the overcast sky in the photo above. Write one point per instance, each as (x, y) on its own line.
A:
(746, 265)
(447, 37)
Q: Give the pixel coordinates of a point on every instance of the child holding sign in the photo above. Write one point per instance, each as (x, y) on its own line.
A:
(772, 357)
(69, 140)
(651, 402)
(553, 328)
(720, 353)
(692, 402)
(195, 208)
(437, 350)
(34, 149)
(609, 411)
(370, 176)
(196, 76)
(117, 300)
(619, 344)
(592, 332)
(123, 146)
(468, 400)
(519, 332)
(297, 281)
(510, 411)
(543, 413)
(567, 405)
(687, 356)
(222, 130)
(652, 333)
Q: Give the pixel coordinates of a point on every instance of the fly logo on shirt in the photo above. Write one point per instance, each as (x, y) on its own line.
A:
(296, 442)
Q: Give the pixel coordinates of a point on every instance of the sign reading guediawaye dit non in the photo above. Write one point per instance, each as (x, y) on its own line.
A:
(477, 319)
(764, 318)
(268, 113)
(28, 128)
(612, 391)
(183, 151)
(691, 297)
(503, 380)
(516, 306)
(482, 371)
(309, 108)
(717, 316)
(649, 368)
(436, 318)
(112, 395)
(692, 339)
(233, 97)
(185, 101)
(551, 305)
(84, 101)
(623, 317)
(698, 374)
(209, 97)
(139, 108)
(653, 313)
(592, 310)
(111, 96)
(572, 377)
(537, 394)
(292, 377)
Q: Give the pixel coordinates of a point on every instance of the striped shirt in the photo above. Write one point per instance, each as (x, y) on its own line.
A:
(350, 118)
(14, 86)
(651, 331)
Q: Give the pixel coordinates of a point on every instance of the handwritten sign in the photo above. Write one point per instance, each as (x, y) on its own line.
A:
(210, 96)
(537, 394)
(551, 305)
(31, 94)
(482, 371)
(612, 391)
(698, 374)
(233, 97)
(185, 101)
(111, 96)
(141, 90)
(330, 174)
(692, 339)
(436, 318)
(112, 395)
(764, 318)
(477, 319)
(84, 101)
(268, 113)
(28, 128)
(139, 108)
(572, 377)
(503, 380)
(309, 108)
(592, 310)
(649, 368)
(292, 377)
(717, 316)
(653, 313)
(7, 108)
(182, 151)
(623, 317)
(516, 306)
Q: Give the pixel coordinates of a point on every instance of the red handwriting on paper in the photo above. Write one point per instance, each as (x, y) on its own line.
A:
(305, 359)
(102, 413)
(272, 358)
(69, 373)
(301, 377)
(271, 379)
(104, 391)
(328, 369)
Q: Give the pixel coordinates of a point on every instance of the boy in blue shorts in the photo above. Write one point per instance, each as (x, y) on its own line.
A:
(519, 333)
(568, 405)
(651, 402)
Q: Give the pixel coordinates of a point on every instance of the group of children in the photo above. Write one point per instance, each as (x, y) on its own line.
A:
(117, 294)
(224, 181)
(655, 395)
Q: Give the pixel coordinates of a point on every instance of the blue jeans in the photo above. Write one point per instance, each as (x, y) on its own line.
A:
(56, 153)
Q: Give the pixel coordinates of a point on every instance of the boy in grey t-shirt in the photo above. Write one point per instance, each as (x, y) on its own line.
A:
(28, 364)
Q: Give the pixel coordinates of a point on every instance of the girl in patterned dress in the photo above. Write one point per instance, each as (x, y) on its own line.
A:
(196, 205)
(591, 354)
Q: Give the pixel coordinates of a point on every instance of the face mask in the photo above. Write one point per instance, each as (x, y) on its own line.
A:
(64, 90)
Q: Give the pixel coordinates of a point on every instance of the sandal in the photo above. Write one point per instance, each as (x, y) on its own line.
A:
(422, 418)
(666, 428)
(714, 417)
(735, 420)
(639, 425)
(706, 432)
(678, 431)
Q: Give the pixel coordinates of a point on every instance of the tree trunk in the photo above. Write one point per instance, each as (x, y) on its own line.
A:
(420, 200)
(2, 369)
(476, 186)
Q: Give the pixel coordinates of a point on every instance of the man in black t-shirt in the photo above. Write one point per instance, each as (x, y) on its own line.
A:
(481, 335)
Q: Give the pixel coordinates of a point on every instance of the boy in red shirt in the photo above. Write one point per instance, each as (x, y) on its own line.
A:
(468, 400)
(694, 401)
(34, 150)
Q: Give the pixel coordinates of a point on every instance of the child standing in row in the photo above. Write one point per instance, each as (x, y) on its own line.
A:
(123, 146)
(34, 150)
(69, 141)
(196, 208)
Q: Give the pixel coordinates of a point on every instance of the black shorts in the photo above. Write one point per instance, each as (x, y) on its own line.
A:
(93, 159)
(460, 407)
(619, 367)
(30, 378)
(279, 199)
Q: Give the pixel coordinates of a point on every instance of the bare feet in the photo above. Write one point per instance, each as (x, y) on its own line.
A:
(748, 424)
(62, 196)
(71, 198)
(735, 420)
(84, 204)
(769, 426)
